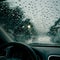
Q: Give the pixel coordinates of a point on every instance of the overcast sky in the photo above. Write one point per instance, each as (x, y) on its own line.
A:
(43, 13)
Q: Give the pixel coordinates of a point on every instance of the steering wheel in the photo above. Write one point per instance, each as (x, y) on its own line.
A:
(18, 51)
(15, 51)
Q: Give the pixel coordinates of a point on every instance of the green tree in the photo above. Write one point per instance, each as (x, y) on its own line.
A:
(13, 20)
(54, 29)
(26, 30)
(10, 17)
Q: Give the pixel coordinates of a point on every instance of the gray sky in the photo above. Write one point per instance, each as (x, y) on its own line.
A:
(43, 13)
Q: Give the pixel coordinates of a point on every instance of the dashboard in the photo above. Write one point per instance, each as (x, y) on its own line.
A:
(18, 51)
(46, 53)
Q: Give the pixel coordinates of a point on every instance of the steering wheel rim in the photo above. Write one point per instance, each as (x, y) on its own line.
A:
(21, 45)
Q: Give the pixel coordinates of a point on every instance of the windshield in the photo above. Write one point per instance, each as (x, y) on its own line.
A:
(31, 21)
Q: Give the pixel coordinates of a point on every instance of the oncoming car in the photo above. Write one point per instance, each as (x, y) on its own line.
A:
(29, 29)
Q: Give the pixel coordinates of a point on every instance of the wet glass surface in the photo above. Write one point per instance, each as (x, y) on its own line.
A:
(31, 21)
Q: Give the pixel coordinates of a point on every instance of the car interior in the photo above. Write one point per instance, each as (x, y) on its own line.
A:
(29, 29)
